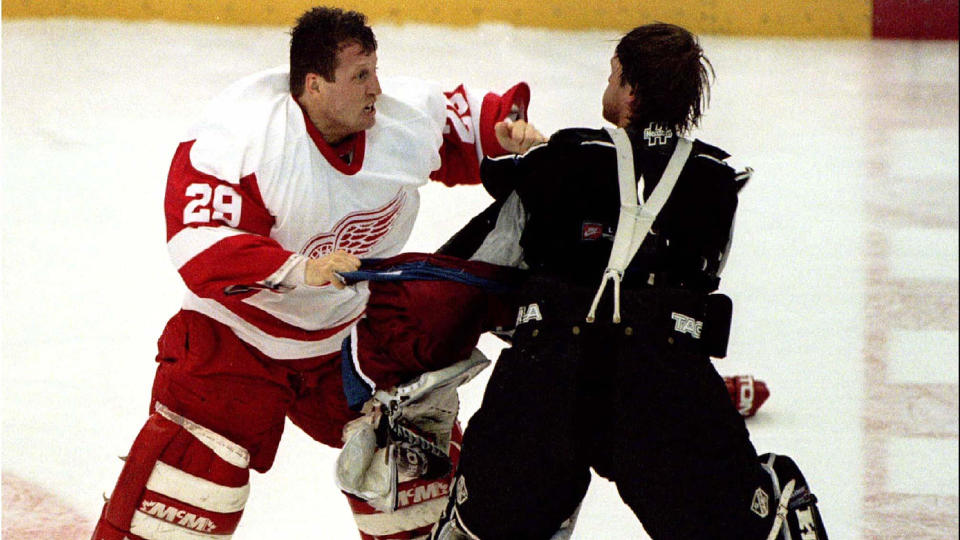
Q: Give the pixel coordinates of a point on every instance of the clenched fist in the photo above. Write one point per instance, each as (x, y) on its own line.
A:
(517, 137)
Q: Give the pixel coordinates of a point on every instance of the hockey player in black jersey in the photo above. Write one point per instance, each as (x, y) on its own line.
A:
(625, 232)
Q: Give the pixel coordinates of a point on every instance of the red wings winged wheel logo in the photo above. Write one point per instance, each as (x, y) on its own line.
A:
(357, 233)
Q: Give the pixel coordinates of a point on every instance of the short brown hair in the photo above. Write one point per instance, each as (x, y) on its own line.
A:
(665, 66)
(317, 38)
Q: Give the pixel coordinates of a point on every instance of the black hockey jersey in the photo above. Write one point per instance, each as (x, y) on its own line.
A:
(569, 192)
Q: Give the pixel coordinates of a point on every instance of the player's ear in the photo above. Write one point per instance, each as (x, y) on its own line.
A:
(311, 83)
(631, 100)
(629, 104)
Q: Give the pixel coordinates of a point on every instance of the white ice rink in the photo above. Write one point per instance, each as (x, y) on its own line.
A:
(843, 271)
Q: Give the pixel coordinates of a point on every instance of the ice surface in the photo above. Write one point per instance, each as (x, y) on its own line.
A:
(92, 112)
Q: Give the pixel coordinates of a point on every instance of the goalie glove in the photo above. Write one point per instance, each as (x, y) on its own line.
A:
(404, 435)
(747, 393)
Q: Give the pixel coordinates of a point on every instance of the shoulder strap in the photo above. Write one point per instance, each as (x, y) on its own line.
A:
(636, 215)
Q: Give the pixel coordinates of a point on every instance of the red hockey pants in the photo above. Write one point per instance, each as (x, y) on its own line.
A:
(210, 376)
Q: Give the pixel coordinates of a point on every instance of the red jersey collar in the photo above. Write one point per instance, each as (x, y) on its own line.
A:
(355, 143)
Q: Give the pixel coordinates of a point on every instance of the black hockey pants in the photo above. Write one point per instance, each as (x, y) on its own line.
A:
(640, 402)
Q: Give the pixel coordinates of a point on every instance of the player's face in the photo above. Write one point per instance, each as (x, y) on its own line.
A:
(617, 97)
(347, 105)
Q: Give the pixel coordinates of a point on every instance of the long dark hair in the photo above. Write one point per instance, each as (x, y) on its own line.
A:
(665, 66)
(319, 34)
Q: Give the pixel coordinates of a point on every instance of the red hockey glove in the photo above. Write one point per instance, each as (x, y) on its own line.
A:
(747, 393)
(512, 105)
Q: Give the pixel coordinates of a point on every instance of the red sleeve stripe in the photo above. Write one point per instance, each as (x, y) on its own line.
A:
(191, 241)
(234, 260)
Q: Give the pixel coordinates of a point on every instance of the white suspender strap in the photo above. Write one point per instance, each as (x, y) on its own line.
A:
(636, 216)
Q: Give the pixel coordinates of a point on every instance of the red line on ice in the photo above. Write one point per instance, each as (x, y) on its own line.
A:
(31, 512)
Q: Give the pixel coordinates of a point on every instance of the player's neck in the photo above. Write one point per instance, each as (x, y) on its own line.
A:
(330, 133)
(332, 136)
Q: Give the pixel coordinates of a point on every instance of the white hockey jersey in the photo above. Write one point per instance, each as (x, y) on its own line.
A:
(254, 190)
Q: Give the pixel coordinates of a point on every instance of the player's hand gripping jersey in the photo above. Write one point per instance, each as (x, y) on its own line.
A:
(254, 190)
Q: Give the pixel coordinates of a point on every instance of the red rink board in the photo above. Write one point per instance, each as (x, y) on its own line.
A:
(915, 19)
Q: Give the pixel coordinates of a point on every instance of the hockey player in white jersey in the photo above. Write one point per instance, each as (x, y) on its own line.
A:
(290, 176)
